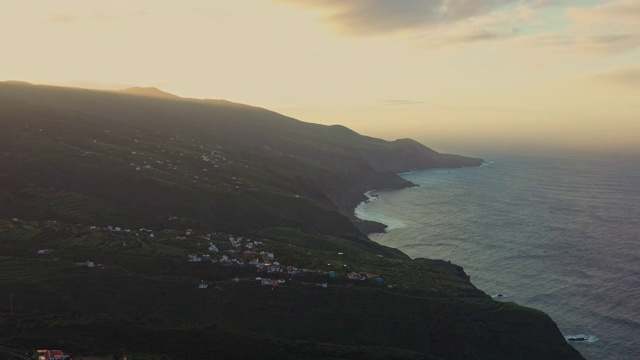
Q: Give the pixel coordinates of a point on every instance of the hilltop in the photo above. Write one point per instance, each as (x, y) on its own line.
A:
(143, 183)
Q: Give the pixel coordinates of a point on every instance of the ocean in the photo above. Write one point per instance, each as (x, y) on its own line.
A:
(558, 234)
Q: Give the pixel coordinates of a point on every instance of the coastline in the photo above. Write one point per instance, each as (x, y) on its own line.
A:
(368, 227)
(374, 195)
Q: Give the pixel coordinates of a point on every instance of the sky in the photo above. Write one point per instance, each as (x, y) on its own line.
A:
(464, 76)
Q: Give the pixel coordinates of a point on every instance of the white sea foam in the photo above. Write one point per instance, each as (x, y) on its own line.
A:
(391, 223)
(365, 212)
(371, 195)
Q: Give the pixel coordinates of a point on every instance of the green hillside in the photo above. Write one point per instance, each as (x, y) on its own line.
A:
(139, 198)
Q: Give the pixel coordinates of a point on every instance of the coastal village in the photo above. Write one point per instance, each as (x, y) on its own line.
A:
(221, 250)
(248, 260)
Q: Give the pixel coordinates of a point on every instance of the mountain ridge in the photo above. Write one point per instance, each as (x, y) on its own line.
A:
(245, 128)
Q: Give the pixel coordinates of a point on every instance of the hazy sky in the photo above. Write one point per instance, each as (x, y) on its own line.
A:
(458, 75)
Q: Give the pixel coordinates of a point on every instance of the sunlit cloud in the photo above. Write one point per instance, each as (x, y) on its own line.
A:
(379, 17)
(604, 27)
(611, 27)
(628, 78)
(586, 43)
(619, 10)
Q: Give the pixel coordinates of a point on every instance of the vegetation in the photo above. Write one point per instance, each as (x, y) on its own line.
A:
(120, 191)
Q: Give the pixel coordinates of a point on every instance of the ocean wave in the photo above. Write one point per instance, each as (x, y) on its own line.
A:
(366, 214)
(581, 338)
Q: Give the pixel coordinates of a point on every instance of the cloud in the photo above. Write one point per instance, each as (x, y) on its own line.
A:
(621, 10)
(475, 34)
(628, 78)
(587, 43)
(604, 27)
(401, 102)
(376, 17)
(611, 27)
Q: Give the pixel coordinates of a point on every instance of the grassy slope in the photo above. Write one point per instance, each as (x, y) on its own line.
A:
(149, 290)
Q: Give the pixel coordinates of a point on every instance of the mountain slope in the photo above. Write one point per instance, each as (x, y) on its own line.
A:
(212, 161)
(188, 173)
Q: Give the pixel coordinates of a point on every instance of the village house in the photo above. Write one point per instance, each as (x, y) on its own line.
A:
(369, 275)
(254, 262)
(355, 276)
(194, 258)
(52, 355)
